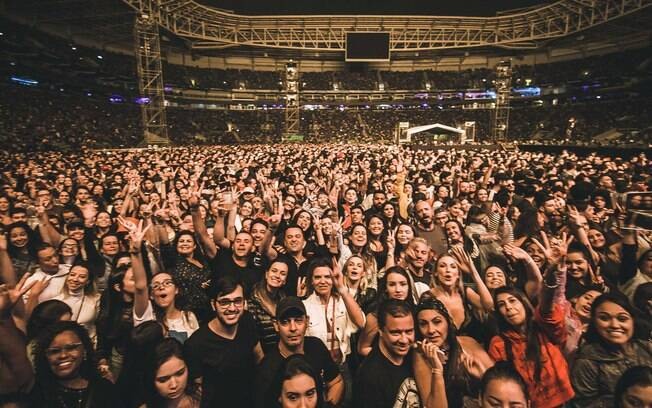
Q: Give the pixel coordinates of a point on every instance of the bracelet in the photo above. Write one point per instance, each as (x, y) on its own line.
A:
(437, 371)
(553, 286)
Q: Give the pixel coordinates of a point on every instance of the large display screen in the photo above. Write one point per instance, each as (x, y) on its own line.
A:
(363, 47)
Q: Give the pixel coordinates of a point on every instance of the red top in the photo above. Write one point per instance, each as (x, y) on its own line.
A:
(554, 387)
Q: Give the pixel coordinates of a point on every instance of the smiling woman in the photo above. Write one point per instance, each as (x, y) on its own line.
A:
(79, 293)
(611, 347)
(65, 370)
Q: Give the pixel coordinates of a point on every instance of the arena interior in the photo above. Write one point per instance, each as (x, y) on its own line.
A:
(325, 204)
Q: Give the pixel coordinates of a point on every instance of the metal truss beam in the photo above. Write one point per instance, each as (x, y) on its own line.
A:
(150, 80)
(292, 107)
(500, 115)
(407, 33)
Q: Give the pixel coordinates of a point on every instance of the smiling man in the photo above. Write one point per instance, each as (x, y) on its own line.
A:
(385, 378)
(222, 355)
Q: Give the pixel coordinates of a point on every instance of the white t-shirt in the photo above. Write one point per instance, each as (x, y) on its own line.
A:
(55, 284)
(179, 329)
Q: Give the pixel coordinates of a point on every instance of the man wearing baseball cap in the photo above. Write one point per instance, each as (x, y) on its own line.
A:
(291, 324)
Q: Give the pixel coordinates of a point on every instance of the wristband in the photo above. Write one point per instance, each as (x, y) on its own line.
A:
(553, 286)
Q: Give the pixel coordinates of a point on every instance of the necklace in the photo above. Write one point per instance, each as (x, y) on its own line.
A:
(75, 397)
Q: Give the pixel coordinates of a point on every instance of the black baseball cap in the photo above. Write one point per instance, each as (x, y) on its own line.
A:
(290, 304)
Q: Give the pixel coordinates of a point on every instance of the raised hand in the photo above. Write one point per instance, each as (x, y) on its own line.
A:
(10, 296)
(338, 276)
(133, 187)
(573, 215)
(136, 236)
(275, 220)
(544, 245)
(391, 241)
(302, 289)
(88, 211)
(463, 259)
(127, 224)
(515, 253)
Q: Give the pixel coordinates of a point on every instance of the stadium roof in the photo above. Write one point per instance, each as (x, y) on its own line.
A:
(109, 23)
(376, 7)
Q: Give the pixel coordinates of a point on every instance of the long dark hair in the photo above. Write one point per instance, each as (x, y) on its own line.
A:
(532, 329)
(454, 370)
(163, 352)
(159, 312)
(109, 321)
(44, 376)
(382, 284)
(33, 241)
(133, 382)
(400, 247)
(591, 335)
(309, 233)
(296, 365)
(383, 235)
(527, 224)
(467, 243)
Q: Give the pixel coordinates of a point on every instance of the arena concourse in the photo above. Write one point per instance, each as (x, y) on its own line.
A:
(215, 203)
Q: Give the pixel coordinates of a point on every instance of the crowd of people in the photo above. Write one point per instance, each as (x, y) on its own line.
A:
(324, 275)
(52, 119)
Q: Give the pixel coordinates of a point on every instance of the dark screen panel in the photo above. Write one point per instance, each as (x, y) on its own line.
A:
(367, 46)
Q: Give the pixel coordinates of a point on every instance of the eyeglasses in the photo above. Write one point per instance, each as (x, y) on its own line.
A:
(226, 303)
(68, 348)
(163, 284)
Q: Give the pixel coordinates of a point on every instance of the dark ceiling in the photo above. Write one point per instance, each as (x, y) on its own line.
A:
(389, 7)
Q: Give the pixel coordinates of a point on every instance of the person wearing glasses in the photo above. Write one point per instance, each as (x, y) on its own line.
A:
(157, 301)
(65, 373)
(222, 354)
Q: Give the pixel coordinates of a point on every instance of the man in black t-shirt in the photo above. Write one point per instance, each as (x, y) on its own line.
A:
(385, 378)
(235, 262)
(222, 355)
(291, 325)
